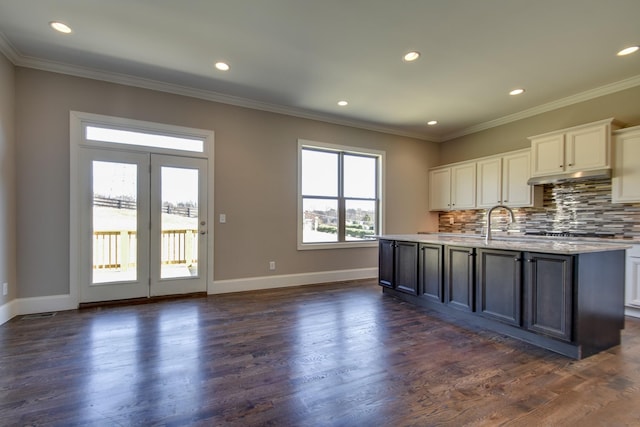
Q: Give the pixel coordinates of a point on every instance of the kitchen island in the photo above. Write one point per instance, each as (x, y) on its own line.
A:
(566, 296)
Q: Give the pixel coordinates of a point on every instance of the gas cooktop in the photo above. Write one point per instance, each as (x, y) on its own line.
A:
(602, 235)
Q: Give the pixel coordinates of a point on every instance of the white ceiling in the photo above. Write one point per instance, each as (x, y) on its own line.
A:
(302, 56)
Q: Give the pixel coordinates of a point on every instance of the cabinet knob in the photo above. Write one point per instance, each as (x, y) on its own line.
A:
(531, 260)
(570, 164)
(517, 259)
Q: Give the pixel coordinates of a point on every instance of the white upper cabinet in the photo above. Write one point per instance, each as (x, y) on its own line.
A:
(580, 148)
(625, 183)
(547, 154)
(489, 182)
(452, 187)
(463, 186)
(440, 189)
(588, 148)
(503, 180)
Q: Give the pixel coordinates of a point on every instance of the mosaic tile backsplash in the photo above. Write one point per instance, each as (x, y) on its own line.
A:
(574, 207)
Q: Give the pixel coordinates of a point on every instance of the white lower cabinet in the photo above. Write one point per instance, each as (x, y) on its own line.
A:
(632, 281)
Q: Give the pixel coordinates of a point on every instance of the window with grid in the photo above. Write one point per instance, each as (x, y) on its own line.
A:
(339, 195)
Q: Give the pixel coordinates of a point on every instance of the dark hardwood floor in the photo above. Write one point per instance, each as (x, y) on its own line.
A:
(330, 355)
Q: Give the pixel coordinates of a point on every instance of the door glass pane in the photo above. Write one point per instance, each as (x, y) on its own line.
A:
(179, 240)
(114, 222)
(360, 221)
(320, 222)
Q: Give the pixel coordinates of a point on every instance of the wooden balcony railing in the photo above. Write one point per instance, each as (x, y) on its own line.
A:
(117, 249)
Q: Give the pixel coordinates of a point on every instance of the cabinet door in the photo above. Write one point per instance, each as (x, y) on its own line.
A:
(632, 278)
(516, 170)
(440, 189)
(386, 250)
(406, 267)
(499, 285)
(626, 172)
(588, 148)
(430, 272)
(549, 294)
(489, 182)
(459, 277)
(463, 186)
(547, 155)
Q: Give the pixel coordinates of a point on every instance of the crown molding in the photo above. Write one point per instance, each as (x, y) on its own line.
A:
(17, 59)
(550, 106)
(208, 95)
(7, 49)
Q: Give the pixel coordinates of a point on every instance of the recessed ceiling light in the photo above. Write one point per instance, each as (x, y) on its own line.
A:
(222, 66)
(60, 27)
(343, 103)
(432, 122)
(516, 92)
(411, 56)
(628, 50)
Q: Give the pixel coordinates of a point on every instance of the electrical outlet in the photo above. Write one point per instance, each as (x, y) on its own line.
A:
(5, 288)
(272, 265)
(223, 218)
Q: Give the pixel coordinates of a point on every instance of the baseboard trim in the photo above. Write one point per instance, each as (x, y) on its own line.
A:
(282, 281)
(45, 304)
(21, 306)
(7, 311)
(632, 311)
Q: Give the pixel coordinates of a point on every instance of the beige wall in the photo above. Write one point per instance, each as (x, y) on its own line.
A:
(623, 105)
(7, 181)
(255, 178)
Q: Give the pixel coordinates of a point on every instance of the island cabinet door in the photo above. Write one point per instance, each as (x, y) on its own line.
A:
(548, 283)
(406, 267)
(430, 272)
(459, 277)
(499, 285)
(386, 251)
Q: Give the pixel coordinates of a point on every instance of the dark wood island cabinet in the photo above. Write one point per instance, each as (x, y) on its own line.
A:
(499, 285)
(565, 297)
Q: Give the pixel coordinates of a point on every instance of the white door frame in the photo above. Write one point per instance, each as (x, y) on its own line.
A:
(78, 121)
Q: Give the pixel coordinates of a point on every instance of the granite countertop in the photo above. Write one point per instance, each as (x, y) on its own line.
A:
(569, 246)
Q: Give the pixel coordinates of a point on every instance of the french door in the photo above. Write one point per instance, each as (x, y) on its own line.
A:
(143, 224)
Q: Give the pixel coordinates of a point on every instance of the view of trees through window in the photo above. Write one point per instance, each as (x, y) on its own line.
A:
(339, 196)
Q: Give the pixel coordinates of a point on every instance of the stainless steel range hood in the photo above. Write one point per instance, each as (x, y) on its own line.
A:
(570, 177)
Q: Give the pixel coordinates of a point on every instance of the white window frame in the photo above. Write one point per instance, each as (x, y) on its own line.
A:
(304, 143)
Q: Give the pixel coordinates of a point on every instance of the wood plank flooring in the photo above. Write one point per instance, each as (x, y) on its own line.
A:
(341, 354)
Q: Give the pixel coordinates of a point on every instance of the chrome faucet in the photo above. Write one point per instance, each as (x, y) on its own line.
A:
(489, 212)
